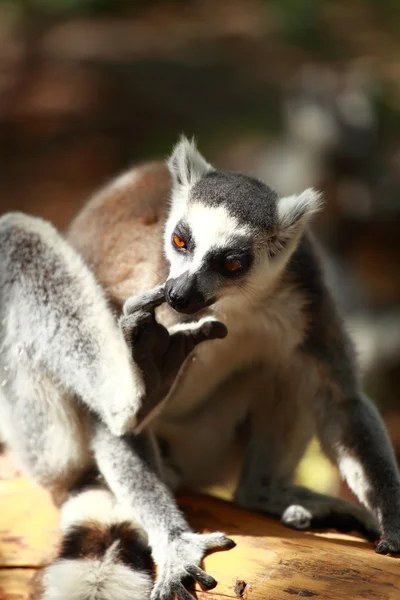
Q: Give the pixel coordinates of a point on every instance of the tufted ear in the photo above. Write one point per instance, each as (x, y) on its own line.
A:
(186, 164)
(293, 214)
(294, 211)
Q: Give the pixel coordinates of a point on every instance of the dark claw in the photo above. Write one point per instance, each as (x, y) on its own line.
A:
(385, 547)
(382, 547)
(229, 544)
(206, 581)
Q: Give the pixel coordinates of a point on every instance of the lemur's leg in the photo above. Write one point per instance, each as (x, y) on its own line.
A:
(129, 464)
(45, 428)
(281, 426)
(55, 320)
(354, 436)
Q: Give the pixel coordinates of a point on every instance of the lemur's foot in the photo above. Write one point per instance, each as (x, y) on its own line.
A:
(158, 352)
(389, 544)
(340, 515)
(301, 508)
(181, 565)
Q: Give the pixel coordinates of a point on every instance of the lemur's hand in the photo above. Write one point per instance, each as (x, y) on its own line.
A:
(181, 564)
(158, 352)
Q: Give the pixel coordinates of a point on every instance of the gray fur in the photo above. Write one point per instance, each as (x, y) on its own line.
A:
(55, 324)
(246, 198)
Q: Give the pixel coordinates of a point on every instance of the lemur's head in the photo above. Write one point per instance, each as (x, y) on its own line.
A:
(227, 234)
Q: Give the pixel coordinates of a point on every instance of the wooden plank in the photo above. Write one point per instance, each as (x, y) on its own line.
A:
(17, 584)
(28, 522)
(270, 561)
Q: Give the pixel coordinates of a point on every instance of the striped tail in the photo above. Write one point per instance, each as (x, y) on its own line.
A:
(103, 555)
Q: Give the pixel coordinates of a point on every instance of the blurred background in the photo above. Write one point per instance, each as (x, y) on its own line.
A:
(295, 92)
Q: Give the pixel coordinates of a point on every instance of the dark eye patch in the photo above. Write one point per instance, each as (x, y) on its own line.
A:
(216, 259)
(183, 231)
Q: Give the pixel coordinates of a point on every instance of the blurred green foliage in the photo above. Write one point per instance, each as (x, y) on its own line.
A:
(301, 24)
(71, 7)
(66, 8)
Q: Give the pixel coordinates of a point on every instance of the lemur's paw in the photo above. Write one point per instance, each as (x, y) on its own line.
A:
(181, 567)
(388, 545)
(138, 319)
(297, 517)
(158, 352)
(340, 515)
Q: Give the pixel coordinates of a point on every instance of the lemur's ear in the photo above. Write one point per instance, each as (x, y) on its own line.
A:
(186, 164)
(294, 211)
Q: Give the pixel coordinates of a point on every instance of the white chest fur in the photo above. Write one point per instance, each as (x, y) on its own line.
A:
(262, 334)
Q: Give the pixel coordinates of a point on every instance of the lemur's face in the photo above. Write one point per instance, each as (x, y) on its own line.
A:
(227, 234)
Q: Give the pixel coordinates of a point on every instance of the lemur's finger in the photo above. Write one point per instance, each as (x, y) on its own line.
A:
(218, 541)
(181, 592)
(210, 329)
(145, 302)
(206, 581)
(170, 590)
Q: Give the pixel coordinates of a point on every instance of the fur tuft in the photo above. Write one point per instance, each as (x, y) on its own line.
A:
(186, 164)
(294, 208)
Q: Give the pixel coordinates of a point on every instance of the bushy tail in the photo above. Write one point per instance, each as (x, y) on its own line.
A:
(103, 554)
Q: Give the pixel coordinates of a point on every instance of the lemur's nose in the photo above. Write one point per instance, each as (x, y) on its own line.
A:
(182, 293)
(177, 295)
(178, 300)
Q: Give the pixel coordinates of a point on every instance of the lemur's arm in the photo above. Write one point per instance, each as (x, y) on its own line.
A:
(158, 353)
(353, 434)
(350, 428)
(130, 467)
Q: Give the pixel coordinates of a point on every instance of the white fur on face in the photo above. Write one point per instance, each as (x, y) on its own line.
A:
(211, 227)
(214, 227)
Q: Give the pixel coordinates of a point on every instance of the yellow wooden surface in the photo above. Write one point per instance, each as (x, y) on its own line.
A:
(270, 562)
(16, 583)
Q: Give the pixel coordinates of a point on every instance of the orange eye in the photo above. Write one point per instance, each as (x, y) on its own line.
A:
(179, 242)
(232, 264)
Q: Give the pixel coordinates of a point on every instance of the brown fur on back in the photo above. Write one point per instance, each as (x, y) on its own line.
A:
(121, 227)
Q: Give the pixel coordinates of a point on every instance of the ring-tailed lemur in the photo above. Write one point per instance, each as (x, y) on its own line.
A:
(232, 252)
